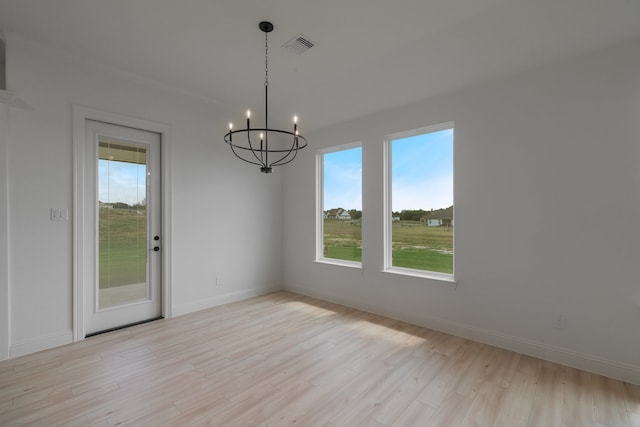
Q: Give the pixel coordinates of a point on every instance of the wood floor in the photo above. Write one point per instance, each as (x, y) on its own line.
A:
(284, 359)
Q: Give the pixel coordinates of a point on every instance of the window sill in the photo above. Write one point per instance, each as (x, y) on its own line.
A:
(439, 278)
(339, 262)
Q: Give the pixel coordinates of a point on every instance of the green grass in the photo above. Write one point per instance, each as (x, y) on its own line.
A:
(122, 255)
(123, 249)
(424, 248)
(343, 240)
(414, 244)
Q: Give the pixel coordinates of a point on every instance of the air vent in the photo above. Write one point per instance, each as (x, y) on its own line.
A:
(299, 44)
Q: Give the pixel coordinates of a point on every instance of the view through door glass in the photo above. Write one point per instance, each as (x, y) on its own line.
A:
(122, 223)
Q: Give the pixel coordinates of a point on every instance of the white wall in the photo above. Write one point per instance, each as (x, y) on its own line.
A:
(547, 199)
(4, 235)
(226, 216)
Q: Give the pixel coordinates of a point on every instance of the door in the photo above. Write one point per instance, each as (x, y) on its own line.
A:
(122, 206)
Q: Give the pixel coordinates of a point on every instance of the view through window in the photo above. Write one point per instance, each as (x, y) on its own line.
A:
(342, 204)
(421, 229)
(122, 229)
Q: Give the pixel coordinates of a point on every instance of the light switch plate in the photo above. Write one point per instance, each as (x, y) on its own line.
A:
(59, 214)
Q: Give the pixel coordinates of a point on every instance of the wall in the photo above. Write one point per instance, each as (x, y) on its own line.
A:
(219, 205)
(4, 235)
(547, 171)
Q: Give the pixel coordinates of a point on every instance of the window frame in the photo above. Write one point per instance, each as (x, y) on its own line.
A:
(388, 206)
(319, 250)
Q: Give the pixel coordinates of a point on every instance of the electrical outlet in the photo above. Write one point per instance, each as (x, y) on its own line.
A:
(559, 321)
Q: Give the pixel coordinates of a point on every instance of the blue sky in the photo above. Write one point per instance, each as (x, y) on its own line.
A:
(121, 182)
(422, 172)
(343, 179)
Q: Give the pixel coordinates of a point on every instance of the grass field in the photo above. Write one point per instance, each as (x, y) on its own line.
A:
(122, 247)
(343, 240)
(414, 244)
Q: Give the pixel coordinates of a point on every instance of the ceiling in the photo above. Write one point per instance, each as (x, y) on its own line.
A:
(371, 55)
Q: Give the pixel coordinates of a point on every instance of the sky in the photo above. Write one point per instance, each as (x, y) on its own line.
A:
(422, 173)
(343, 179)
(121, 182)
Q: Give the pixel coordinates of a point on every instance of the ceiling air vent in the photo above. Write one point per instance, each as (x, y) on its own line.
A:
(299, 44)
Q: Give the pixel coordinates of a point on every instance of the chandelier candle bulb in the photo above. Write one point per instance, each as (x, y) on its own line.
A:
(230, 131)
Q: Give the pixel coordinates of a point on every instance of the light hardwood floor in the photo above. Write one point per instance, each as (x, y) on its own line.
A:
(283, 359)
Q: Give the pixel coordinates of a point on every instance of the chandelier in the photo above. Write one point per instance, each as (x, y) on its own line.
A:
(252, 144)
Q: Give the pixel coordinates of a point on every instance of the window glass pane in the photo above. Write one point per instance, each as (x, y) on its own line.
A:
(342, 206)
(422, 202)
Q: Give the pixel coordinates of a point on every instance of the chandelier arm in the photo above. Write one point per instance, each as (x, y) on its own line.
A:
(294, 149)
(282, 162)
(295, 153)
(233, 147)
(262, 163)
(265, 130)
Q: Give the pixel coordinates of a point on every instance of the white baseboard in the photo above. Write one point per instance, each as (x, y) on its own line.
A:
(191, 307)
(563, 356)
(40, 343)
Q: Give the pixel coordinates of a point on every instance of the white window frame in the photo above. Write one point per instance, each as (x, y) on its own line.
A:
(320, 205)
(388, 199)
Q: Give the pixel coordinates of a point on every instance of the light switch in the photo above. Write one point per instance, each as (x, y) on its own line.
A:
(59, 214)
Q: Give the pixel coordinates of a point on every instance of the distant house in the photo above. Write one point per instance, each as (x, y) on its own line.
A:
(439, 218)
(395, 218)
(337, 213)
(344, 215)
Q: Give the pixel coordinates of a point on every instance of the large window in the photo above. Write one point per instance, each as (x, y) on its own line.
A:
(340, 204)
(420, 202)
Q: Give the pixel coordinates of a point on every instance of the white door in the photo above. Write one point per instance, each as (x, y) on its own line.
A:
(123, 224)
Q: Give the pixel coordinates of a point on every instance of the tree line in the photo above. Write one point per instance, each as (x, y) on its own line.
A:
(417, 214)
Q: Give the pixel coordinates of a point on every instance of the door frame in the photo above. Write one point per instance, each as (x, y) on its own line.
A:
(80, 255)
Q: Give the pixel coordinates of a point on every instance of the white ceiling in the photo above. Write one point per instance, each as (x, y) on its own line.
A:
(371, 55)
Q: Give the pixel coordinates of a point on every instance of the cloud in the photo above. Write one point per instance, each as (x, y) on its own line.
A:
(121, 182)
(430, 193)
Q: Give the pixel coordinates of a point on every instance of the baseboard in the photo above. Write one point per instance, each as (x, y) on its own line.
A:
(563, 356)
(191, 307)
(40, 343)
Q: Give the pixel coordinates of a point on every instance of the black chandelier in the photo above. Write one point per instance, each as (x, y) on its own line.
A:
(288, 142)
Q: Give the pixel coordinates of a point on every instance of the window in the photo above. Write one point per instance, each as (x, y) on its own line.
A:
(339, 224)
(419, 199)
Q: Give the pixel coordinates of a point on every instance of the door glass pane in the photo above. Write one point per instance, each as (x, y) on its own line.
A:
(122, 222)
